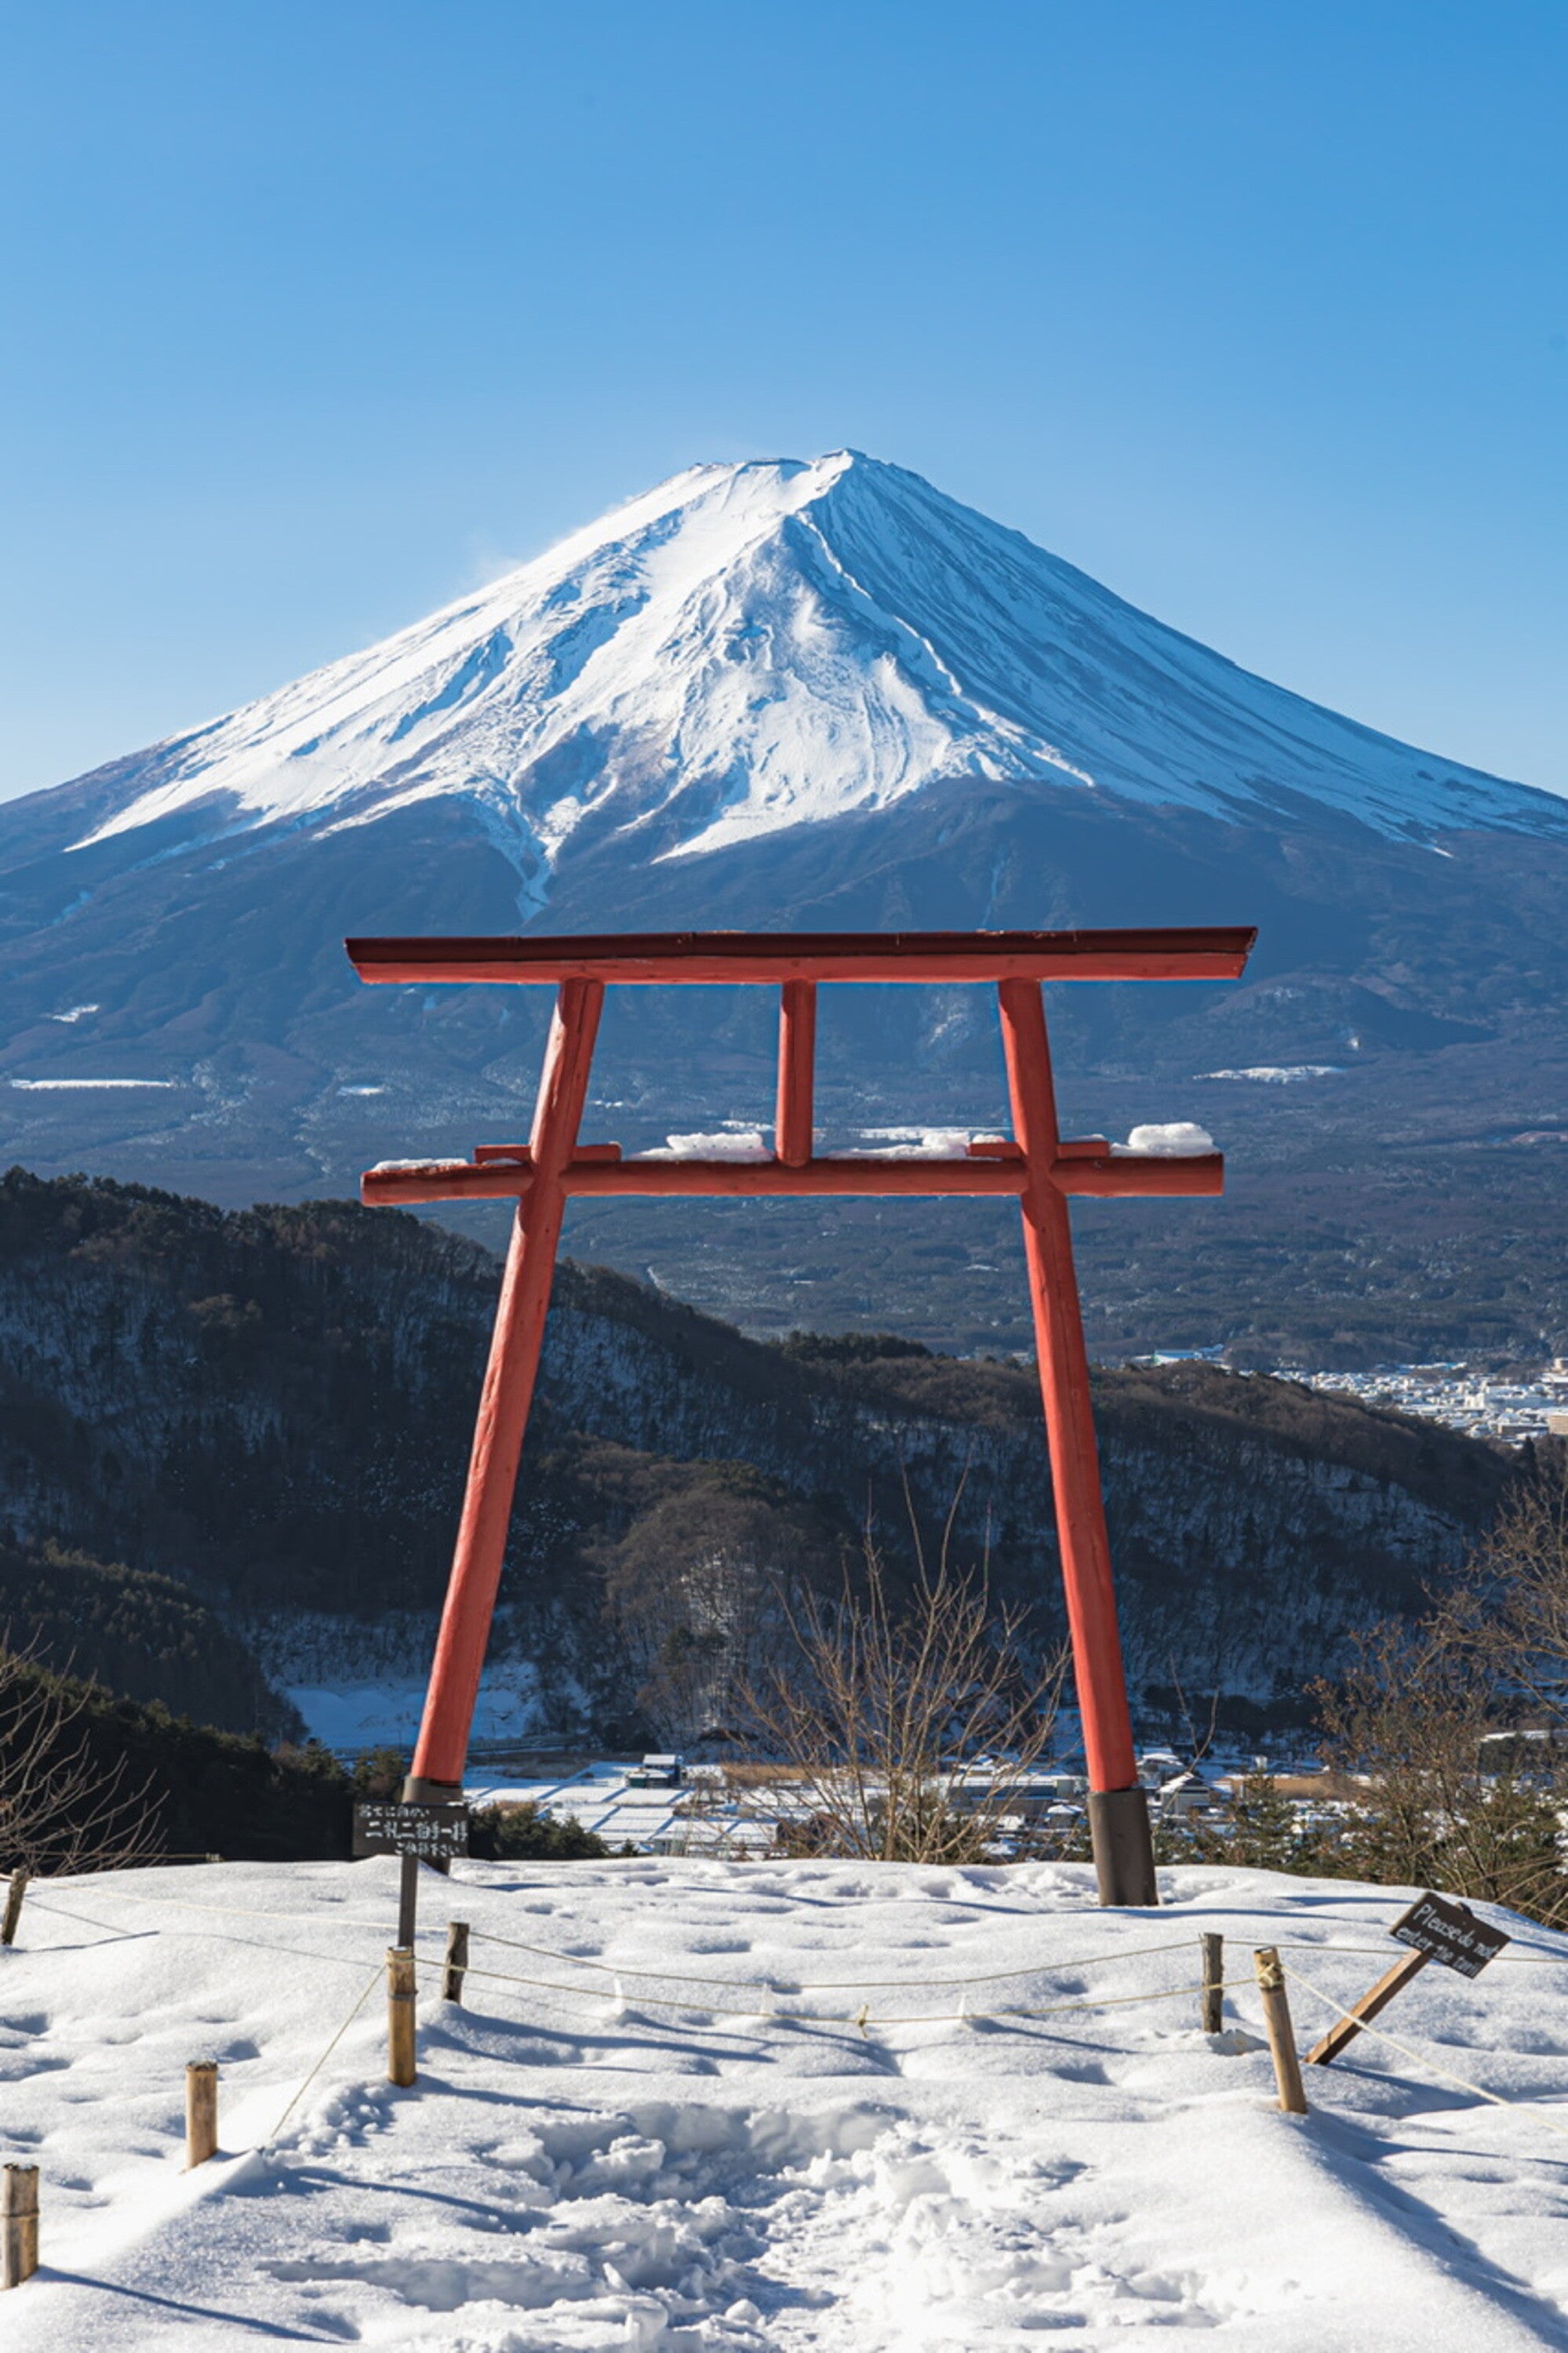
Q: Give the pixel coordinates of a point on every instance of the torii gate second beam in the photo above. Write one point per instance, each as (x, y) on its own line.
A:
(1036, 1165)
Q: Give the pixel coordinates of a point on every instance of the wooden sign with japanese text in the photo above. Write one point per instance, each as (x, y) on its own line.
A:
(429, 1834)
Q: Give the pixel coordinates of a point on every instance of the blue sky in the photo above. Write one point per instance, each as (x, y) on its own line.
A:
(317, 314)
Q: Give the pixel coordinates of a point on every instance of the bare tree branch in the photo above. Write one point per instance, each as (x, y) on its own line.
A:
(62, 1810)
(882, 1720)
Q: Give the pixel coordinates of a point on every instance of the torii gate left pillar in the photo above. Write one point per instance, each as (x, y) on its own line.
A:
(1036, 1165)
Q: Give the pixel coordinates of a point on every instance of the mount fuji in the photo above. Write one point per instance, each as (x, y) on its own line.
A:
(753, 647)
(812, 695)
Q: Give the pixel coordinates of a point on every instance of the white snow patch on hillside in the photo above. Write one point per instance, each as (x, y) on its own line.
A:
(710, 2106)
(911, 1143)
(350, 1712)
(1280, 1074)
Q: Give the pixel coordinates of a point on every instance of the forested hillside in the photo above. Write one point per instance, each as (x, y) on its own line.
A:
(275, 1407)
(120, 1780)
(135, 1633)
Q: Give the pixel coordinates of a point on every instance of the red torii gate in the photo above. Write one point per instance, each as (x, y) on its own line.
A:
(1038, 1167)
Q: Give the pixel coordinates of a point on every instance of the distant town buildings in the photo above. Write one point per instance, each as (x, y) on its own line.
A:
(1510, 1410)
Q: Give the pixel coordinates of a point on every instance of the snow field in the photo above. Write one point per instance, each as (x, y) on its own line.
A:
(359, 1712)
(770, 2106)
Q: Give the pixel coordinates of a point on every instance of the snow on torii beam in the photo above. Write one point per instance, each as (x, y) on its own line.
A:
(1037, 1167)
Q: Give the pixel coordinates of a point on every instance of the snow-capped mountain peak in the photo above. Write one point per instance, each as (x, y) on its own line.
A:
(754, 647)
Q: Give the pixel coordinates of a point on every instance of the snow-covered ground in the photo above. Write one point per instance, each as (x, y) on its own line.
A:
(350, 1712)
(706, 2105)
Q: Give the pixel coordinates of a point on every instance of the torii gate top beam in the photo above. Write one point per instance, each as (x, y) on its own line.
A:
(669, 958)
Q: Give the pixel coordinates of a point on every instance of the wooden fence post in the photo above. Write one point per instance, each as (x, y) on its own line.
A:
(1213, 1982)
(400, 2062)
(457, 1961)
(13, 1895)
(408, 1901)
(1281, 2035)
(19, 2224)
(201, 2111)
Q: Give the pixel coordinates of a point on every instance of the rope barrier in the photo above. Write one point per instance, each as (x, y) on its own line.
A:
(1518, 1959)
(246, 1944)
(112, 1928)
(1089, 1960)
(835, 1985)
(718, 2009)
(617, 1970)
(1380, 1953)
(610, 1969)
(863, 2020)
(575, 1960)
(1531, 1960)
(218, 1911)
(862, 2017)
(1418, 2059)
(368, 1988)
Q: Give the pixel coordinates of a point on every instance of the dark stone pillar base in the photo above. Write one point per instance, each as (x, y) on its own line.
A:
(1123, 1846)
(431, 1793)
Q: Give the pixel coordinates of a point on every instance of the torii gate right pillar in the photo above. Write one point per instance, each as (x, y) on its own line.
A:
(1118, 1807)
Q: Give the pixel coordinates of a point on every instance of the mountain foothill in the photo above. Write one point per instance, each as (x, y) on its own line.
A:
(262, 1416)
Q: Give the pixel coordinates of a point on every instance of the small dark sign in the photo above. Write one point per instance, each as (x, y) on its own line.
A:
(1450, 1933)
(431, 1833)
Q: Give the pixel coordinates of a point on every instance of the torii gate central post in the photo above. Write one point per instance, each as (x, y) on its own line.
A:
(1036, 1166)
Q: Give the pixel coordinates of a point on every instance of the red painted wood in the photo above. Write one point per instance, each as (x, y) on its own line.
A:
(689, 1180)
(670, 958)
(519, 1155)
(519, 1335)
(1097, 1669)
(797, 1063)
(1077, 1147)
(1124, 1178)
(1132, 1177)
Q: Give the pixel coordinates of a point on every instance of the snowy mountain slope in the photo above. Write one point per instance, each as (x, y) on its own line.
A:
(859, 2145)
(756, 647)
